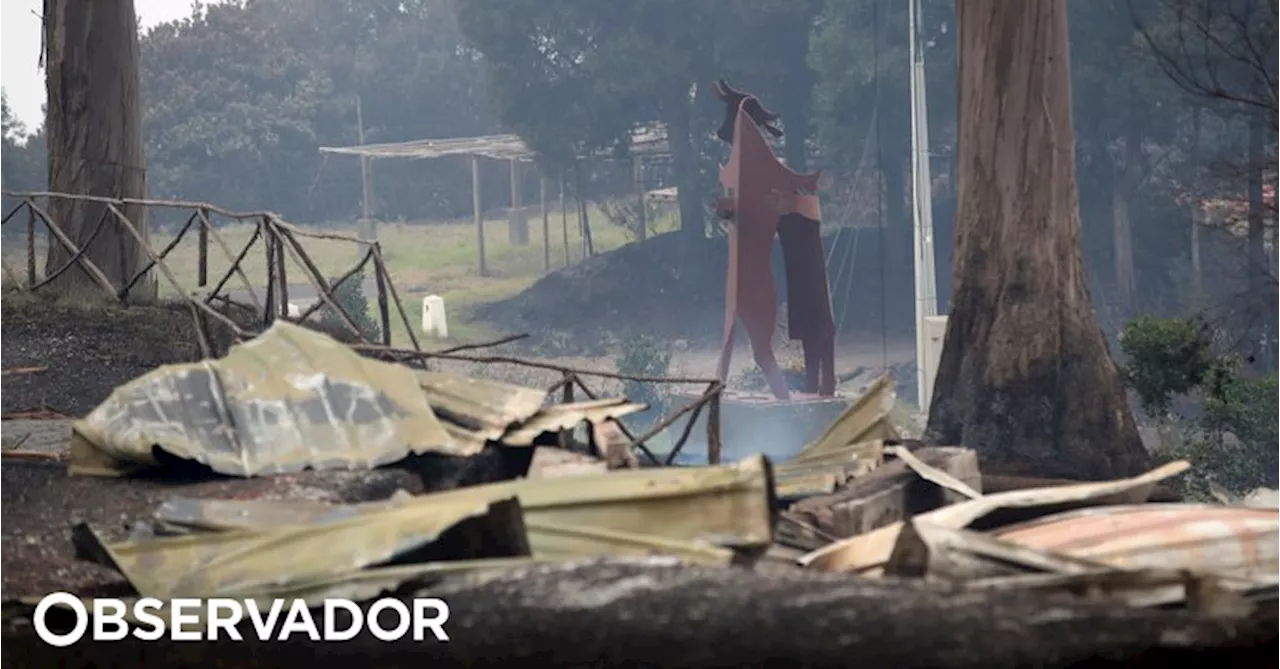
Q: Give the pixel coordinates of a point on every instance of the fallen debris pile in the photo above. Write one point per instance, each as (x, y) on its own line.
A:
(295, 399)
(859, 509)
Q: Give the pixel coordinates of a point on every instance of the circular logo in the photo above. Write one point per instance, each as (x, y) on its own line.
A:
(70, 601)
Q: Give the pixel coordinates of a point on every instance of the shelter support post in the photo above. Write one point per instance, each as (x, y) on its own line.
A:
(1197, 285)
(642, 225)
(546, 224)
(564, 221)
(368, 228)
(478, 214)
(517, 224)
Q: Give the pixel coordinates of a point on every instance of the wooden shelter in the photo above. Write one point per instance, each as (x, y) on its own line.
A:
(647, 142)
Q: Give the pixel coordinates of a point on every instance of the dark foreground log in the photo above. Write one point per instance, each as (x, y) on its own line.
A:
(658, 614)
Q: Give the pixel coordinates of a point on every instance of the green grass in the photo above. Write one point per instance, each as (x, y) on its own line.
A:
(423, 258)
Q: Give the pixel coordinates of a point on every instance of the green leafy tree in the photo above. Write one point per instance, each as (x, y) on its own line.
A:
(23, 153)
(576, 75)
(351, 298)
(240, 97)
(1128, 122)
(22, 164)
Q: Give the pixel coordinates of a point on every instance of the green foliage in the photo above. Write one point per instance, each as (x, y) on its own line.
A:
(577, 75)
(239, 98)
(1246, 407)
(1217, 462)
(1165, 357)
(1236, 446)
(858, 40)
(1234, 443)
(22, 158)
(350, 296)
(22, 168)
(643, 355)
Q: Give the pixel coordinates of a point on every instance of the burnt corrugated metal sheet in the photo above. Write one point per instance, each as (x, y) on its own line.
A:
(294, 399)
(567, 416)
(285, 401)
(474, 410)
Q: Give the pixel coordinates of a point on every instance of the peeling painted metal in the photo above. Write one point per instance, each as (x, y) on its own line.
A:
(1227, 541)
(288, 400)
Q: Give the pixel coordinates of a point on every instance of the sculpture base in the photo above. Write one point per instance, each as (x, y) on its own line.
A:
(753, 423)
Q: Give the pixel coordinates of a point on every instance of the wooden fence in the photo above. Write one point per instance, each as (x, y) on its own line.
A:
(279, 240)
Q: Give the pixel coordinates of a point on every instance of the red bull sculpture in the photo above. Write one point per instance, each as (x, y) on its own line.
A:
(765, 198)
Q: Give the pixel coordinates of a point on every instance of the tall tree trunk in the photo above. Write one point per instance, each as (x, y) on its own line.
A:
(684, 161)
(1025, 378)
(1197, 210)
(898, 231)
(94, 132)
(1270, 219)
(1258, 270)
(796, 119)
(1128, 176)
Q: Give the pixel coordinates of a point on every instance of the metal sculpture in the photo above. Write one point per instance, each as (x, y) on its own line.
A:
(764, 199)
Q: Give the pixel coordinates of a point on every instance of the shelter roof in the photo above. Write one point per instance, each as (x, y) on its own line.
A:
(644, 139)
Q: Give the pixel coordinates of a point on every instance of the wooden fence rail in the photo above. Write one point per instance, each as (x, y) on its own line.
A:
(278, 236)
(280, 239)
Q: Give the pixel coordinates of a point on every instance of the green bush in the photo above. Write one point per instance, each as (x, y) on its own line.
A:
(1165, 357)
(350, 296)
(643, 355)
(1234, 443)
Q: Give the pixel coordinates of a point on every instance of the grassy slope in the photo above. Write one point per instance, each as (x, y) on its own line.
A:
(423, 258)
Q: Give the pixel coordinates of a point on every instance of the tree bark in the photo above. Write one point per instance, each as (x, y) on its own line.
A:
(684, 161)
(1197, 158)
(1258, 268)
(1127, 178)
(94, 133)
(1025, 378)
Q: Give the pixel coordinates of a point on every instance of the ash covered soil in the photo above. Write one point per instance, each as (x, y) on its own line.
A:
(642, 288)
(65, 356)
(673, 288)
(88, 349)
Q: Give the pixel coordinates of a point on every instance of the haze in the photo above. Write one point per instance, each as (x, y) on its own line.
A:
(22, 78)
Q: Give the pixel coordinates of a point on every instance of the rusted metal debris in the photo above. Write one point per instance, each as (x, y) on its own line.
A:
(1090, 539)
(1228, 541)
(858, 499)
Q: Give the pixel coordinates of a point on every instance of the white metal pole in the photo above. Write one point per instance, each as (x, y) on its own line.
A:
(926, 301)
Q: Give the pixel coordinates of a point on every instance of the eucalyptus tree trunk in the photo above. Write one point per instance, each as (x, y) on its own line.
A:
(1025, 378)
(94, 132)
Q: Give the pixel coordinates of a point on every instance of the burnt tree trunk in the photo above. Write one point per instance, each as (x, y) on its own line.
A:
(1025, 378)
(93, 127)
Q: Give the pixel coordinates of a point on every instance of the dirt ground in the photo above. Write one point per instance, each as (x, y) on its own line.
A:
(663, 288)
(86, 349)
